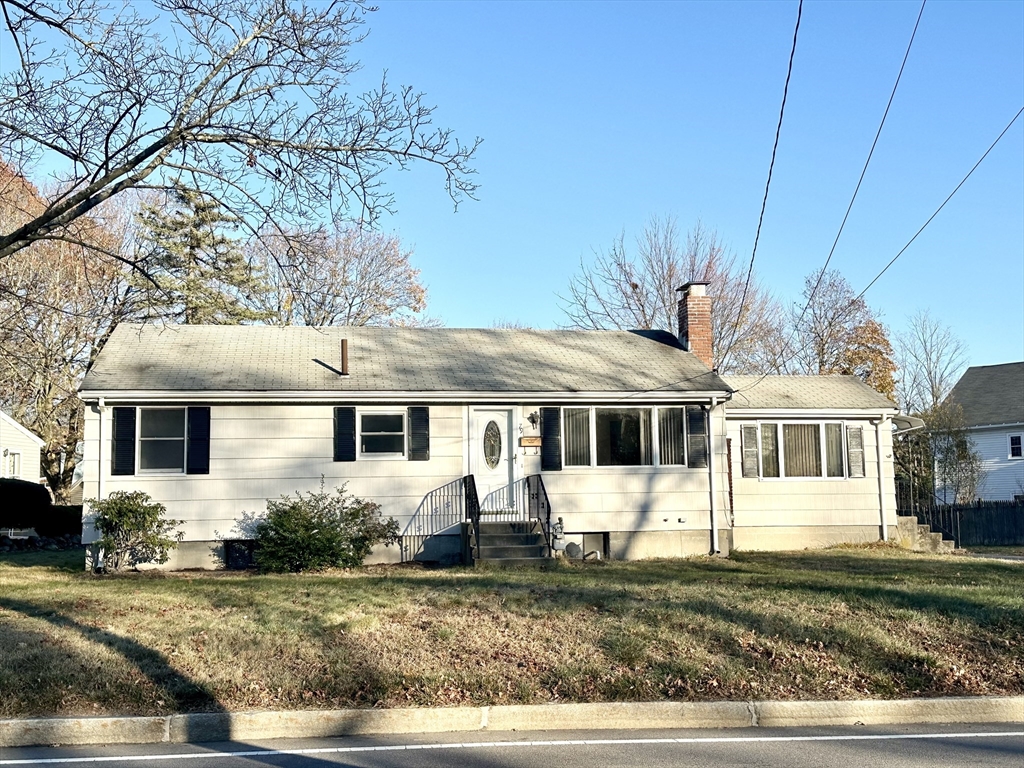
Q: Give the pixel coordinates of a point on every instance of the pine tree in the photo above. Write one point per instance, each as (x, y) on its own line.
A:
(199, 273)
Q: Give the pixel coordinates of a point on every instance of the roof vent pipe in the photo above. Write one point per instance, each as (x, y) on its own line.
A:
(344, 357)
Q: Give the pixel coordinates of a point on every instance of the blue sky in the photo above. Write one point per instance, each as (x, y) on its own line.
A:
(597, 116)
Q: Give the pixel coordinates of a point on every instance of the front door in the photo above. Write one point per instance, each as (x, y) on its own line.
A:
(492, 457)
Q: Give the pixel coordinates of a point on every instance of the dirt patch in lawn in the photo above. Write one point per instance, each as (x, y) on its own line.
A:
(835, 624)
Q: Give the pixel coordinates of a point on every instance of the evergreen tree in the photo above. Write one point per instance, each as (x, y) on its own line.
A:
(198, 273)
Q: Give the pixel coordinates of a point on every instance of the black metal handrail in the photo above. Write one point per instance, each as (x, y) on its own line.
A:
(540, 506)
(472, 506)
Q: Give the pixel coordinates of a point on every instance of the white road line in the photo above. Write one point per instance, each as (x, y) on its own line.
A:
(500, 745)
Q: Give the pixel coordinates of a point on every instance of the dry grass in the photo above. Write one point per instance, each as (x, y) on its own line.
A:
(848, 623)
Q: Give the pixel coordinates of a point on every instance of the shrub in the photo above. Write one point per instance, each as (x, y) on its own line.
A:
(60, 520)
(21, 502)
(320, 530)
(133, 530)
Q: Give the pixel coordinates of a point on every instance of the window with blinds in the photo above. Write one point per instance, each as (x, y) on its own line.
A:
(672, 435)
(576, 434)
(778, 450)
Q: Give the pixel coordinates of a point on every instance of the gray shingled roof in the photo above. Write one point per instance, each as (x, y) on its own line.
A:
(991, 394)
(836, 392)
(263, 358)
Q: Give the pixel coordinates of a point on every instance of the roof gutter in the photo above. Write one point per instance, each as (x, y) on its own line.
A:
(376, 396)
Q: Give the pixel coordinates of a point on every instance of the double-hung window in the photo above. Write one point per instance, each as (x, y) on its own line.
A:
(378, 432)
(162, 440)
(802, 450)
(382, 434)
(1016, 446)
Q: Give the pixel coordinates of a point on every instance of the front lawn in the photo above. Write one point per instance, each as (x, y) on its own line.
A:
(845, 623)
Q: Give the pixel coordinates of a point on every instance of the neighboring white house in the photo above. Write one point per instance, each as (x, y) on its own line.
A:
(992, 399)
(20, 450)
(624, 435)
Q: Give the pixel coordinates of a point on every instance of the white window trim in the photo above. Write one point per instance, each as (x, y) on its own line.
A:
(1009, 448)
(655, 440)
(382, 411)
(782, 458)
(138, 442)
(12, 458)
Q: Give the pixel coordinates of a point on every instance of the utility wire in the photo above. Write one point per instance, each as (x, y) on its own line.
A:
(923, 226)
(856, 189)
(964, 179)
(771, 167)
(864, 170)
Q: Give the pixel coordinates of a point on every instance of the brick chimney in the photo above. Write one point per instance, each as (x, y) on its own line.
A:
(695, 321)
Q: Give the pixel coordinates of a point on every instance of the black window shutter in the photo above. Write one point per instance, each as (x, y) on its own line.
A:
(122, 460)
(697, 437)
(550, 440)
(419, 433)
(344, 434)
(198, 441)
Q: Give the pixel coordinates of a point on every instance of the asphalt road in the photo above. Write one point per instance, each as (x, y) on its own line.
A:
(862, 747)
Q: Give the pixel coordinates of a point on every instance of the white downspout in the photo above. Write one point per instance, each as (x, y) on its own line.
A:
(101, 408)
(711, 477)
(881, 476)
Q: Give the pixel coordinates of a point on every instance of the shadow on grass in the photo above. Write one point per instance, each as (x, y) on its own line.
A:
(185, 694)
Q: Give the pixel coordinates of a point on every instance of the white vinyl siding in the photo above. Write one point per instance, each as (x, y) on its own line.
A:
(770, 502)
(1002, 473)
(19, 453)
(259, 452)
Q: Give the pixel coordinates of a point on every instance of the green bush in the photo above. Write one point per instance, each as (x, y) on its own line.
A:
(133, 530)
(320, 530)
(21, 502)
(60, 520)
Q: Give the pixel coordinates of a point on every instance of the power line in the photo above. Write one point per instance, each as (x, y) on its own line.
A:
(771, 167)
(856, 189)
(864, 170)
(955, 190)
(923, 226)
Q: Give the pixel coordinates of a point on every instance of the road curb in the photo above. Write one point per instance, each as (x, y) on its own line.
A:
(252, 726)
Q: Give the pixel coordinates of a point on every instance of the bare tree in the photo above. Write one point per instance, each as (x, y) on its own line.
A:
(637, 290)
(835, 331)
(245, 102)
(958, 466)
(58, 301)
(930, 358)
(349, 276)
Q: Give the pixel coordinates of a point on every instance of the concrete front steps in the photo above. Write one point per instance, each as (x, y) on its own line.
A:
(920, 538)
(508, 544)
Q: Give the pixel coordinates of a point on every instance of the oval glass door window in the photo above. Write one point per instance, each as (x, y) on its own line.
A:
(492, 444)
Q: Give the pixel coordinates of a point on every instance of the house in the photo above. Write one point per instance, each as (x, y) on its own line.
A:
(624, 436)
(20, 450)
(992, 399)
